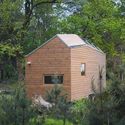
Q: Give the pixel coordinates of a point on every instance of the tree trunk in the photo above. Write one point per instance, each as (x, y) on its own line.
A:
(19, 69)
(64, 121)
(23, 118)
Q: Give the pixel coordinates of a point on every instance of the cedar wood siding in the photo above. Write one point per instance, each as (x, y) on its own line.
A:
(81, 85)
(51, 58)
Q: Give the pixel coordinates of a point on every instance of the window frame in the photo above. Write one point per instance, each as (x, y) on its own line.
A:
(52, 75)
(83, 74)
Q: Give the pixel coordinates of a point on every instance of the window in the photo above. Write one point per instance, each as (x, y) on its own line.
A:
(53, 79)
(82, 69)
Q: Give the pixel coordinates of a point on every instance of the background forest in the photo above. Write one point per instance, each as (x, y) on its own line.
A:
(26, 24)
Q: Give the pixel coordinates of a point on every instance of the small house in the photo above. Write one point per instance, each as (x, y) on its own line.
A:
(66, 60)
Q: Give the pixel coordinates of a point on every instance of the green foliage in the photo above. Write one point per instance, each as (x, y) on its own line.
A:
(107, 107)
(61, 105)
(79, 112)
(28, 23)
(10, 16)
(55, 94)
(102, 23)
(15, 108)
(8, 53)
(116, 92)
(25, 24)
(9, 50)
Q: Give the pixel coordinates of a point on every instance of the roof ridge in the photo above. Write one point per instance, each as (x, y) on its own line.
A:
(70, 40)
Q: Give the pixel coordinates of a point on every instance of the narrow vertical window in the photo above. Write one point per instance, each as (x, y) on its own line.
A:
(82, 69)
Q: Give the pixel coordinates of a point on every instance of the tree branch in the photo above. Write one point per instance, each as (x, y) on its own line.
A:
(49, 2)
(45, 2)
(31, 6)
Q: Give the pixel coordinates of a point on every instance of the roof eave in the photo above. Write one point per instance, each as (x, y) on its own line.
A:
(40, 46)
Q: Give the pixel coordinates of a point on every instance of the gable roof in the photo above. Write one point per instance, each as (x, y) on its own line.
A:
(70, 40)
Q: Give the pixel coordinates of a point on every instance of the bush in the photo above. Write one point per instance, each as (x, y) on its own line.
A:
(15, 108)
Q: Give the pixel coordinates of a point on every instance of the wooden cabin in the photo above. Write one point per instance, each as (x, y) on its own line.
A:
(67, 60)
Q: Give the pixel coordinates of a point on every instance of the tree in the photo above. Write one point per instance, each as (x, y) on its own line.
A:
(100, 22)
(7, 55)
(61, 105)
(27, 24)
(79, 112)
(15, 108)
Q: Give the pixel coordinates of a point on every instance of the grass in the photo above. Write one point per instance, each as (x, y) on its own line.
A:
(51, 121)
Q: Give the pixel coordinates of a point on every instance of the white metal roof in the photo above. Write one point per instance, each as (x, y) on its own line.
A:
(71, 40)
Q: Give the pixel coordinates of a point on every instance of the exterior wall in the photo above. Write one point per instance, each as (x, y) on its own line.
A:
(81, 85)
(53, 57)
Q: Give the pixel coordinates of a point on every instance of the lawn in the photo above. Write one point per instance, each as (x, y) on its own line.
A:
(51, 121)
(56, 122)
